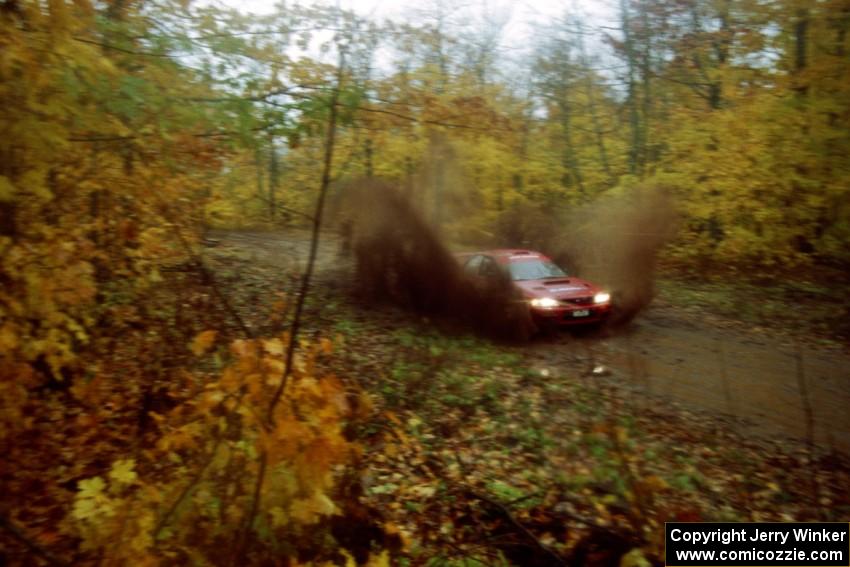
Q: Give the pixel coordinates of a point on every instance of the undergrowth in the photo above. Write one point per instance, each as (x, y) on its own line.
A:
(477, 432)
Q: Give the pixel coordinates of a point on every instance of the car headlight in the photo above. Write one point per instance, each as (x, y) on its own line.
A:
(602, 297)
(544, 302)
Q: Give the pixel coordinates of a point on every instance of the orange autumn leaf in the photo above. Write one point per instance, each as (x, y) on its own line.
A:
(202, 342)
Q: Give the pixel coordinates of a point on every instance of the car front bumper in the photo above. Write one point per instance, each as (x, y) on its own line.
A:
(574, 315)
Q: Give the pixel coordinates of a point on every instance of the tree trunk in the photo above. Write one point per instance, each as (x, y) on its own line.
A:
(591, 106)
(260, 167)
(634, 114)
(801, 30)
(572, 175)
(646, 103)
(274, 175)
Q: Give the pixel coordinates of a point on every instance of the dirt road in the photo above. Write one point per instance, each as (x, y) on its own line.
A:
(760, 384)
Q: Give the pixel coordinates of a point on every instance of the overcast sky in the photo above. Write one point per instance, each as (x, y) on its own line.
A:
(522, 16)
(522, 22)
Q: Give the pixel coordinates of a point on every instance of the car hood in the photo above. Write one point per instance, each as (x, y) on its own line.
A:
(559, 288)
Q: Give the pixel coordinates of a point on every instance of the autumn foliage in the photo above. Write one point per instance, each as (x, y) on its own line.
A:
(142, 421)
(124, 437)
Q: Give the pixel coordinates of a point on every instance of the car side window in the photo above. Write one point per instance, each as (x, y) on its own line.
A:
(489, 268)
(473, 264)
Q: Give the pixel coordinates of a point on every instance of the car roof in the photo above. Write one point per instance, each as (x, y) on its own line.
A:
(508, 255)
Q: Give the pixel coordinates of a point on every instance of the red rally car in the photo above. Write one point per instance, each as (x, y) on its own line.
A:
(553, 297)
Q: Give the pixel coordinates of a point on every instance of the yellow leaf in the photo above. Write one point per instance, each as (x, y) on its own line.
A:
(91, 487)
(202, 342)
(310, 510)
(8, 338)
(91, 501)
(423, 490)
(273, 346)
(382, 560)
(634, 558)
(84, 508)
(122, 471)
(243, 348)
(326, 345)
(142, 540)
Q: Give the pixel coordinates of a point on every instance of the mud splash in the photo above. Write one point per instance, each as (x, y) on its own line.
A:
(399, 258)
(614, 242)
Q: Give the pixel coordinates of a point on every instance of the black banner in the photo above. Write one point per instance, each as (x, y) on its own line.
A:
(762, 544)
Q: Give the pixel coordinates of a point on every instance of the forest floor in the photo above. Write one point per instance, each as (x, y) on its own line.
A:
(579, 444)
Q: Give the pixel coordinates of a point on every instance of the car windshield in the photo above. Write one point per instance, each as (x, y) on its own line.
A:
(535, 270)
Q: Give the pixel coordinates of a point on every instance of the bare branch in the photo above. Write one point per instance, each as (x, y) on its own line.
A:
(314, 241)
